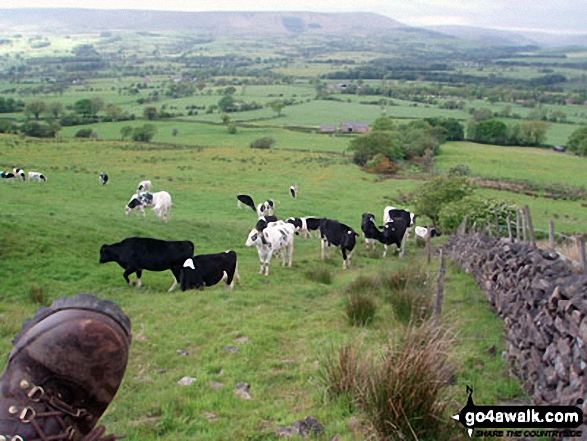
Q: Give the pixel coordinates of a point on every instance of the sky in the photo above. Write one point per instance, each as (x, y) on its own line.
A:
(554, 16)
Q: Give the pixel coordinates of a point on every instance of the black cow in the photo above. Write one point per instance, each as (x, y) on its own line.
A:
(7, 175)
(340, 235)
(263, 221)
(136, 254)
(209, 269)
(369, 229)
(247, 200)
(393, 233)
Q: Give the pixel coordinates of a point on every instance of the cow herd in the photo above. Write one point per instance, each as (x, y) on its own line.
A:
(20, 175)
(269, 236)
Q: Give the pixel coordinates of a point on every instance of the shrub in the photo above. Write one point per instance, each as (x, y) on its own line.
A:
(478, 210)
(410, 293)
(84, 133)
(459, 170)
(381, 164)
(341, 370)
(262, 143)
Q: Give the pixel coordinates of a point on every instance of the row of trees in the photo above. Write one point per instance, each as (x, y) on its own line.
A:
(493, 131)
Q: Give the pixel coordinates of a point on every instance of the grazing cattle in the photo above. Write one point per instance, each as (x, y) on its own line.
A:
(209, 269)
(245, 199)
(136, 254)
(265, 208)
(263, 221)
(160, 203)
(7, 175)
(144, 186)
(423, 231)
(18, 172)
(370, 231)
(340, 235)
(304, 225)
(393, 232)
(293, 190)
(37, 177)
(103, 178)
(395, 213)
(277, 236)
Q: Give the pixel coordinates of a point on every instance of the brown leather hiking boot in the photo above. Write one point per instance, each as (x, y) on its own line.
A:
(64, 370)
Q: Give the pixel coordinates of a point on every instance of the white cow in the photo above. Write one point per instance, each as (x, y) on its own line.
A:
(144, 186)
(277, 236)
(265, 208)
(37, 177)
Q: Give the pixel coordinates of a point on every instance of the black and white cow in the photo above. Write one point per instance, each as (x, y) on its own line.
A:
(103, 178)
(265, 208)
(340, 235)
(395, 213)
(423, 231)
(245, 199)
(19, 173)
(304, 225)
(370, 231)
(144, 186)
(209, 269)
(293, 190)
(136, 254)
(8, 176)
(37, 177)
(263, 221)
(393, 232)
(277, 236)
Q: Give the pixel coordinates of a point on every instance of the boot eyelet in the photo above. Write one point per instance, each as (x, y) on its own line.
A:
(27, 415)
(17, 438)
(13, 410)
(36, 393)
(24, 385)
(2, 438)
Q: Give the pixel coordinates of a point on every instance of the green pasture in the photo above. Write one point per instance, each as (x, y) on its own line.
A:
(280, 325)
(536, 165)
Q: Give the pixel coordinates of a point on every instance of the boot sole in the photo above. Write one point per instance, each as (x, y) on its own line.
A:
(80, 301)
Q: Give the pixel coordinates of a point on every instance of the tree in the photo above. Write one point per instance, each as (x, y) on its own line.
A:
(436, 193)
(145, 133)
(35, 108)
(126, 132)
(367, 146)
(55, 109)
(487, 132)
(227, 104)
(383, 123)
(114, 113)
(533, 133)
(150, 113)
(577, 142)
(277, 106)
(83, 107)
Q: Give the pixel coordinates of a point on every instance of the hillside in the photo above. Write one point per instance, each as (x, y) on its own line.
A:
(224, 23)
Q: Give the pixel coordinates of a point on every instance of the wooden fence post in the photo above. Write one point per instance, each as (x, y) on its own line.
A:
(523, 216)
(551, 235)
(530, 226)
(497, 234)
(517, 225)
(428, 245)
(580, 241)
(438, 298)
(509, 224)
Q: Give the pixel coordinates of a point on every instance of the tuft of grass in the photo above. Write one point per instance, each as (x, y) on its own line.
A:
(409, 291)
(360, 309)
(39, 295)
(320, 275)
(404, 394)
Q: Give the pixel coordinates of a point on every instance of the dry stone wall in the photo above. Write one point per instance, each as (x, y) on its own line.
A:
(544, 305)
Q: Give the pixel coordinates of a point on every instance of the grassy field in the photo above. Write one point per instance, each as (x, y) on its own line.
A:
(281, 325)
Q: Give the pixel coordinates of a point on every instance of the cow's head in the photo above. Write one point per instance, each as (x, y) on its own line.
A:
(106, 254)
(254, 238)
(132, 204)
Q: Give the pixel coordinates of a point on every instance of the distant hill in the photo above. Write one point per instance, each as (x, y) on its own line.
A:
(225, 23)
(512, 38)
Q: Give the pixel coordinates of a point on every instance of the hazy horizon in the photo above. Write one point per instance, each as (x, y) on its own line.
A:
(522, 16)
